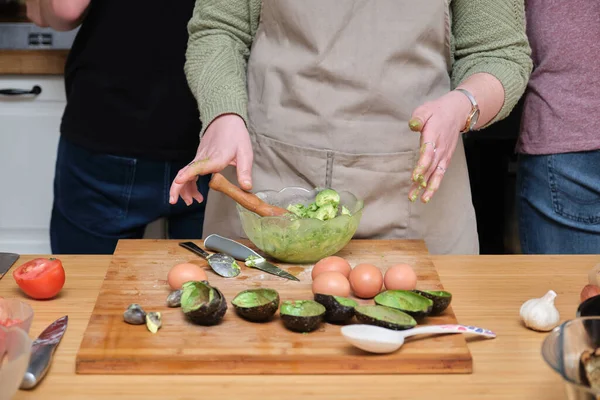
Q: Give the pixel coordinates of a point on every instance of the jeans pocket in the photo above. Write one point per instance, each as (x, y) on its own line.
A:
(575, 186)
(93, 190)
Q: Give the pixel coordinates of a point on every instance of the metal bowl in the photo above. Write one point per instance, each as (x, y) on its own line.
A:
(300, 240)
(562, 350)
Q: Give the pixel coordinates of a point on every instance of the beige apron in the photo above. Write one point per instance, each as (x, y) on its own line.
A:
(332, 85)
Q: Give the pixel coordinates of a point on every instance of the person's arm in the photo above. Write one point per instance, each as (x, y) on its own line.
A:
(220, 37)
(60, 15)
(492, 54)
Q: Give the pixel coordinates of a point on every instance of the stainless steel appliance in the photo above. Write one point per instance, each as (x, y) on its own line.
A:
(28, 36)
(18, 33)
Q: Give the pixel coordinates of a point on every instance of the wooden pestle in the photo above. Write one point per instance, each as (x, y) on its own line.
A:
(247, 200)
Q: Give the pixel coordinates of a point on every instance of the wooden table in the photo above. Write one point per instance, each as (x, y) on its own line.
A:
(488, 291)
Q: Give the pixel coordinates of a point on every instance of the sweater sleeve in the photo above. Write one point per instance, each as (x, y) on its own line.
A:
(490, 36)
(220, 36)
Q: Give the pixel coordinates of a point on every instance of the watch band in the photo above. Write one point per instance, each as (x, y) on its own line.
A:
(474, 114)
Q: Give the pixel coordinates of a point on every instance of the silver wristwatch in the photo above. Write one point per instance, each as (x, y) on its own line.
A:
(473, 115)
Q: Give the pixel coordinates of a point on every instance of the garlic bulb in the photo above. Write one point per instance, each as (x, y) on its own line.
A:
(540, 314)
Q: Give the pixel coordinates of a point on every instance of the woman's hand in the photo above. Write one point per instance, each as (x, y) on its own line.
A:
(440, 123)
(60, 15)
(225, 142)
(34, 13)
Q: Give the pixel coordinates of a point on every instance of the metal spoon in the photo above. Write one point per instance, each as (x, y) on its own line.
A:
(222, 264)
(376, 339)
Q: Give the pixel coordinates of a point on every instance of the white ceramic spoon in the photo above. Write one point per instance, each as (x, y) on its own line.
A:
(376, 339)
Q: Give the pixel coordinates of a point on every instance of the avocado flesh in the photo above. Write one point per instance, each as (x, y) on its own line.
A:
(256, 305)
(441, 299)
(385, 317)
(407, 301)
(302, 315)
(201, 303)
(339, 310)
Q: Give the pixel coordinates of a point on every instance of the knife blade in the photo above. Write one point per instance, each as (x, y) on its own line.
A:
(42, 352)
(239, 251)
(6, 261)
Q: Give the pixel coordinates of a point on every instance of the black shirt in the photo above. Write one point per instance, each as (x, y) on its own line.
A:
(125, 84)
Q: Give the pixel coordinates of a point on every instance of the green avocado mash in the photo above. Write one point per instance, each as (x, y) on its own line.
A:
(301, 236)
(325, 206)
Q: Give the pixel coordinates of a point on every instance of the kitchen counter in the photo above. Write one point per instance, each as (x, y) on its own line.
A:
(32, 62)
(487, 292)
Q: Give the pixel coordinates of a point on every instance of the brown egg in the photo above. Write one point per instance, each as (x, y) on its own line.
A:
(331, 282)
(366, 280)
(331, 263)
(400, 277)
(184, 272)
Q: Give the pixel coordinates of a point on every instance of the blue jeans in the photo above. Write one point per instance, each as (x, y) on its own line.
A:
(101, 198)
(558, 203)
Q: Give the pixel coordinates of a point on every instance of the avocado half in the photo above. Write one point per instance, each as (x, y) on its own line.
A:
(386, 317)
(411, 303)
(338, 310)
(301, 315)
(202, 303)
(256, 305)
(441, 299)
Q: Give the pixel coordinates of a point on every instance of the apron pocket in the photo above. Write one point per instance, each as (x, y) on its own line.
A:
(382, 181)
(278, 164)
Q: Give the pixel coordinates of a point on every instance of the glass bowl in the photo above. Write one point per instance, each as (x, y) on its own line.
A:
(15, 351)
(300, 240)
(562, 351)
(14, 312)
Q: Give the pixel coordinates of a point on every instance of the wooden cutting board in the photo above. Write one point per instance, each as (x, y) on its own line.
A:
(138, 274)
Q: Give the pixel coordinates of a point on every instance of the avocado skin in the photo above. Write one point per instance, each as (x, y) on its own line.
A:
(366, 319)
(440, 303)
(211, 313)
(415, 314)
(335, 313)
(301, 324)
(261, 313)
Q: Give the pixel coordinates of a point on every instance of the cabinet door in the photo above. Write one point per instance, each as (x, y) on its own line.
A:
(29, 133)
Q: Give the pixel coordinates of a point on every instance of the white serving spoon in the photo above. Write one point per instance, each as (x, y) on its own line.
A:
(376, 339)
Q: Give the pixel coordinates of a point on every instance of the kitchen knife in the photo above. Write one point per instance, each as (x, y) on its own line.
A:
(42, 352)
(6, 261)
(239, 251)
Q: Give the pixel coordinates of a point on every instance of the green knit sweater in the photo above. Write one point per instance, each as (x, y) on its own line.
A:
(487, 36)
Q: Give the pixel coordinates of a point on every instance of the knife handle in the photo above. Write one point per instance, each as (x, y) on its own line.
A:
(38, 366)
(224, 245)
(191, 246)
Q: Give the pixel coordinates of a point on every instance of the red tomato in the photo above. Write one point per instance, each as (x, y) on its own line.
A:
(41, 278)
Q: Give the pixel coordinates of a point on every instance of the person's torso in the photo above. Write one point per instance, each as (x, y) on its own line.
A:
(347, 75)
(125, 82)
(563, 96)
